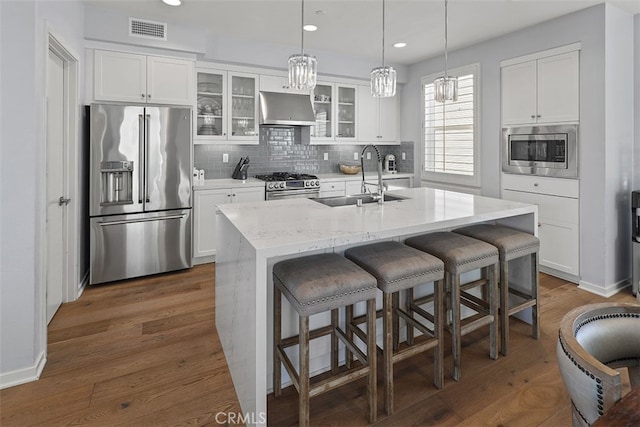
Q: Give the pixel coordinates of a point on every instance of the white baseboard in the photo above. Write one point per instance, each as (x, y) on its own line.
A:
(562, 275)
(24, 375)
(604, 292)
(204, 260)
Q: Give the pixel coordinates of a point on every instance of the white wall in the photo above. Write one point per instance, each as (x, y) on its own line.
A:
(619, 127)
(636, 156)
(22, 83)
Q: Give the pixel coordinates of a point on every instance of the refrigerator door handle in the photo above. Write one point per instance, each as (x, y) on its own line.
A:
(147, 120)
(131, 221)
(141, 164)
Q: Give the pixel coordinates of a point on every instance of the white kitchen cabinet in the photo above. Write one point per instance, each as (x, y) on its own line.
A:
(278, 84)
(127, 77)
(377, 117)
(558, 219)
(226, 107)
(544, 90)
(347, 113)
(323, 106)
(204, 214)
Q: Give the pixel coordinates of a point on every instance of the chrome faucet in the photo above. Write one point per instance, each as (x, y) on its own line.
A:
(380, 195)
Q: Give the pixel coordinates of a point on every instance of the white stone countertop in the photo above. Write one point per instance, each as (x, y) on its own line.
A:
(290, 226)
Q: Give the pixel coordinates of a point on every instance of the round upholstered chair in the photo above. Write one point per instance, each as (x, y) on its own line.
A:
(595, 343)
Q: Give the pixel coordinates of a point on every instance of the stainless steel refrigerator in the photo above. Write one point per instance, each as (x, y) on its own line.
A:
(139, 191)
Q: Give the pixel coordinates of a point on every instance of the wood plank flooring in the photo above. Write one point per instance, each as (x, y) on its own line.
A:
(145, 353)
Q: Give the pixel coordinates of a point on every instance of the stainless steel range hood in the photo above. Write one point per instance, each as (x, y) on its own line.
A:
(286, 109)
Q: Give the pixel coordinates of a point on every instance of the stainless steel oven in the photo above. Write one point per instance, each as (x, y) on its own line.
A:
(541, 150)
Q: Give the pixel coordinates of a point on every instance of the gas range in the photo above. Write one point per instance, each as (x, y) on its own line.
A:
(280, 185)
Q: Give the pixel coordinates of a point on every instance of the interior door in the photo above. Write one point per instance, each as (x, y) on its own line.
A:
(56, 202)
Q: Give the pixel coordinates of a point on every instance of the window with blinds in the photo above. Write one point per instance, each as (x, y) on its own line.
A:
(450, 142)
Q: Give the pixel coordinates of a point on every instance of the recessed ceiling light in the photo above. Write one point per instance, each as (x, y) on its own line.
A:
(309, 27)
(399, 44)
(172, 2)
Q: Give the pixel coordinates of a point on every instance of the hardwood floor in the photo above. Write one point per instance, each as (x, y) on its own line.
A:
(145, 353)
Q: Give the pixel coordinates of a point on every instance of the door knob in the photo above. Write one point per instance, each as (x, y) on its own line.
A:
(62, 201)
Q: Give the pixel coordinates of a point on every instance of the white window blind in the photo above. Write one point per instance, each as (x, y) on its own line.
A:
(450, 131)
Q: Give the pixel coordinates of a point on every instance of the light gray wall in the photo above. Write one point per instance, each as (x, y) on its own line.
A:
(619, 126)
(602, 147)
(22, 77)
(636, 156)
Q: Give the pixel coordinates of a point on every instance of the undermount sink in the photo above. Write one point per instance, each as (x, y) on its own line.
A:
(353, 200)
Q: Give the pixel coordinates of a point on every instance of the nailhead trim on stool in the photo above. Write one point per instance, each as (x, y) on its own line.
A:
(314, 284)
(462, 254)
(511, 244)
(398, 267)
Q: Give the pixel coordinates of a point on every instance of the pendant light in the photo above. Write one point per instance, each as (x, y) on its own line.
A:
(383, 79)
(446, 87)
(303, 68)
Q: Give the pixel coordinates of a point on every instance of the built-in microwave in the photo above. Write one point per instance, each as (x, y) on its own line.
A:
(541, 150)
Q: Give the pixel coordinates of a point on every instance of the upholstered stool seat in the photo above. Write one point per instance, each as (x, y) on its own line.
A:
(462, 254)
(314, 284)
(398, 267)
(511, 244)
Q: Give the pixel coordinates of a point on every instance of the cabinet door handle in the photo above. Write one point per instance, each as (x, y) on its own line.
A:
(142, 95)
(539, 116)
(533, 116)
(539, 224)
(149, 95)
(535, 184)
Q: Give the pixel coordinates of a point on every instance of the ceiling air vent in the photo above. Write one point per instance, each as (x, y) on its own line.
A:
(147, 29)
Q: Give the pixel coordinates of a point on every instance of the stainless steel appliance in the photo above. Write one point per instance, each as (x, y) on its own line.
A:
(140, 191)
(286, 109)
(541, 150)
(286, 185)
(390, 163)
(635, 239)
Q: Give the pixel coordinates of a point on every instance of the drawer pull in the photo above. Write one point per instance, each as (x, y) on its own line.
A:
(535, 184)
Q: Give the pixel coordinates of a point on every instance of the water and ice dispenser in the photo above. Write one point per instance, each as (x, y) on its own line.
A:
(117, 182)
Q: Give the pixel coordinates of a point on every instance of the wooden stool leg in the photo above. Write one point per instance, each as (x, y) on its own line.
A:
(303, 405)
(535, 293)
(277, 338)
(371, 360)
(396, 320)
(438, 318)
(504, 307)
(454, 281)
(334, 341)
(387, 352)
(493, 310)
(410, 313)
(348, 315)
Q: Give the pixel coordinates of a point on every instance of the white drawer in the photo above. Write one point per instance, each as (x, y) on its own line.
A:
(332, 186)
(541, 185)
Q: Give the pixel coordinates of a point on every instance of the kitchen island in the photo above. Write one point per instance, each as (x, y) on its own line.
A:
(252, 237)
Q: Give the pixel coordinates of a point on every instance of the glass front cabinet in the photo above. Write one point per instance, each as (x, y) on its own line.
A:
(346, 114)
(335, 109)
(227, 107)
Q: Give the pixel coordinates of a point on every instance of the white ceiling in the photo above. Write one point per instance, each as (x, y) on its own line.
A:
(353, 27)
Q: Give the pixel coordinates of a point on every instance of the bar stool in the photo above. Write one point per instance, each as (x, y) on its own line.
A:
(314, 284)
(511, 244)
(462, 254)
(398, 267)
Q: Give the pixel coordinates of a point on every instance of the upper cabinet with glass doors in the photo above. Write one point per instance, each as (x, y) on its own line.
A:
(346, 113)
(336, 113)
(227, 107)
(323, 106)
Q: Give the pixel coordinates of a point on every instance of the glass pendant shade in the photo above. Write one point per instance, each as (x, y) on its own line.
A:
(446, 89)
(303, 71)
(383, 82)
